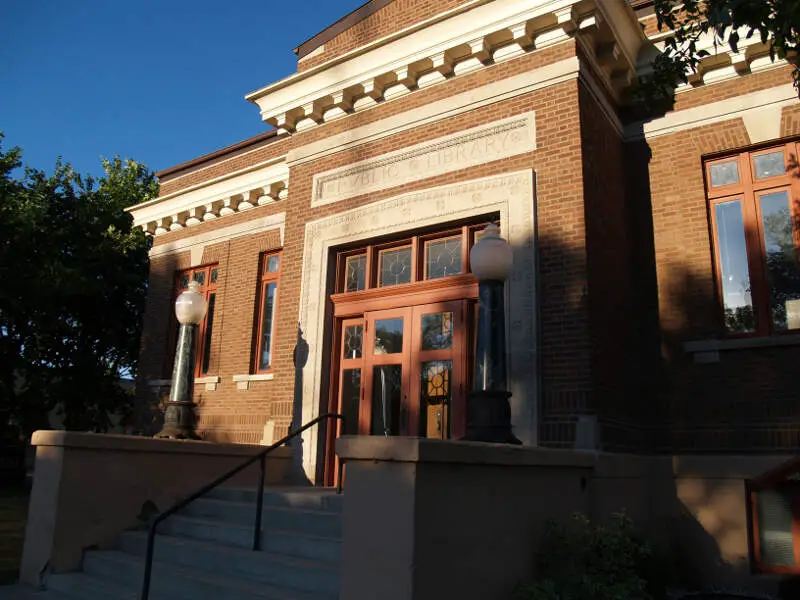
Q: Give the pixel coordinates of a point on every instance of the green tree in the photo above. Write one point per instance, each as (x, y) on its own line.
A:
(73, 279)
(774, 22)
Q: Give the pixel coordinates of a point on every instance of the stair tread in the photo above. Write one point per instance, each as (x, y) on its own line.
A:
(253, 588)
(268, 507)
(107, 588)
(233, 550)
(249, 528)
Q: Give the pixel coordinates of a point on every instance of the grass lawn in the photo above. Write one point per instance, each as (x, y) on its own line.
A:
(13, 512)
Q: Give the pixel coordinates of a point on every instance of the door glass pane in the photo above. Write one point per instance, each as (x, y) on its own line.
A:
(273, 263)
(352, 341)
(435, 401)
(212, 300)
(769, 164)
(725, 173)
(389, 336)
(200, 277)
(437, 331)
(351, 394)
(734, 271)
(443, 258)
(386, 392)
(267, 321)
(775, 527)
(395, 267)
(355, 273)
(184, 282)
(214, 274)
(782, 272)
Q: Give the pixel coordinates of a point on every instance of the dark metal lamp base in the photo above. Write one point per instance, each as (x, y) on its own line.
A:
(178, 422)
(489, 418)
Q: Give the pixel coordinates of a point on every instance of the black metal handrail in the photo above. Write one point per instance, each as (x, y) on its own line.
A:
(261, 457)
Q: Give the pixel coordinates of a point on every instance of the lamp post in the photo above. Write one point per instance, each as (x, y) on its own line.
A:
(190, 309)
(488, 409)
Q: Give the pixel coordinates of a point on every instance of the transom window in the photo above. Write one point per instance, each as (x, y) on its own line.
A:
(207, 278)
(754, 211)
(407, 261)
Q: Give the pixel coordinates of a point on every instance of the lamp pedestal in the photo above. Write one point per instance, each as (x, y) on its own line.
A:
(488, 409)
(179, 418)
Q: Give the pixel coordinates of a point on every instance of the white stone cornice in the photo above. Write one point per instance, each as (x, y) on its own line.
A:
(212, 199)
(465, 41)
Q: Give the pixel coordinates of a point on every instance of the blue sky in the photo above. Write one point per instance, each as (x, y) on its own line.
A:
(161, 81)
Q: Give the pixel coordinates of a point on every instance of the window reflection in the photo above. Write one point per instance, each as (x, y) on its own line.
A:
(388, 336)
(735, 273)
(769, 164)
(782, 271)
(726, 173)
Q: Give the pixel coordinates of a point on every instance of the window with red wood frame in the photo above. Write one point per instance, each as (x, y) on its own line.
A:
(266, 312)
(206, 277)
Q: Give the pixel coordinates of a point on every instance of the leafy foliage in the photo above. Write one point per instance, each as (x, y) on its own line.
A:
(585, 561)
(73, 278)
(775, 22)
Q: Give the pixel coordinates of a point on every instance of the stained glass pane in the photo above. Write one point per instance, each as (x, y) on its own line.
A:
(352, 341)
(214, 275)
(436, 377)
(273, 263)
(726, 173)
(769, 164)
(388, 336)
(386, 393)
(734, 271)
(437, 331)
(395, 267)
(212, 300)
(355, 276)
(183, 283)
(782, 271)
(443, 258)
(199, 277)
(351, 395)
(267, 324)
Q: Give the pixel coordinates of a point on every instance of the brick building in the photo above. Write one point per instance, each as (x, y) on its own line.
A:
(655, 286)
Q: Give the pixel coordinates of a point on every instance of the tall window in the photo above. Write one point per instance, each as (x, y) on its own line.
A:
(207, 278)
(753, 201)
(265, 316)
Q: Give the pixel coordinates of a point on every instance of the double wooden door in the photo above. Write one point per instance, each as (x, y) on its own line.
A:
(403, 371)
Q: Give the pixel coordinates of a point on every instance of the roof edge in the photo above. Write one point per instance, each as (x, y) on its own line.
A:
(356, 16)
(256, 139)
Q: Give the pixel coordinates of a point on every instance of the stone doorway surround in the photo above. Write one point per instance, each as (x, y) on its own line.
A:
(512, 195)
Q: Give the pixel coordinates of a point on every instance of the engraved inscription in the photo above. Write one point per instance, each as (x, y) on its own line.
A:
(501, 139)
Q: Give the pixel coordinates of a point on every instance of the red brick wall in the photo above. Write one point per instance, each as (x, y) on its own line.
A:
(745, 400)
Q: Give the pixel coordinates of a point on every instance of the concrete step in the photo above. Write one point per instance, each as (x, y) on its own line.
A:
(266, 568)
(80, 586)
(306, 498)
(178, 583)
(289, 543)
(273, 518)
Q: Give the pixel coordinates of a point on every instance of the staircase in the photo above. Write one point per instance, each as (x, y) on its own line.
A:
(204, 552)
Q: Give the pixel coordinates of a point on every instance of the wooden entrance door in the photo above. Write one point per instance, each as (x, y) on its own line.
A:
(402, 371)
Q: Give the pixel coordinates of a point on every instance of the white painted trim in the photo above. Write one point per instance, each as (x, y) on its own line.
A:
(243, 381)
(706, 114)
(202, 184)
(470, 21)
(241, 182)
(197, 242)
(510, 194)
(498, 91)
(254, 377)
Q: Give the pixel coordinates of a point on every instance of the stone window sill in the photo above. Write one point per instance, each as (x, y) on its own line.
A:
(211, 382)
(243, 381)
(707, 351)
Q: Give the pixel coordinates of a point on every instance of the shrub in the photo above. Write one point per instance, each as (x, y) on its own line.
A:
(586, 561)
